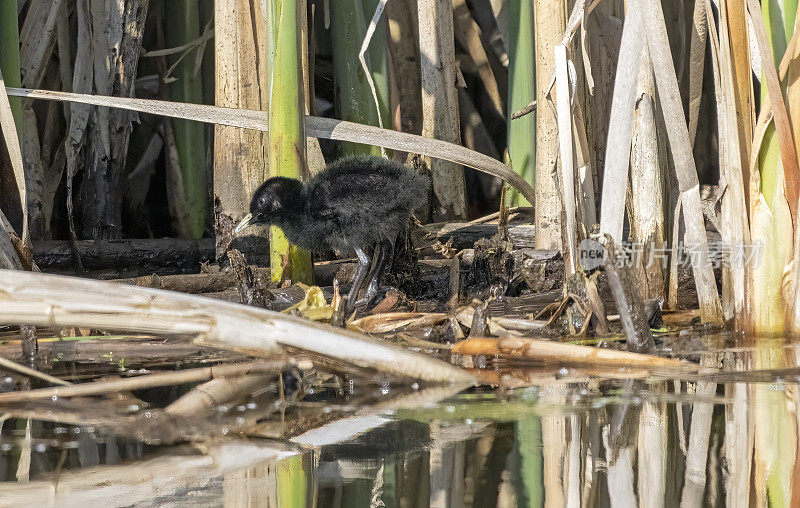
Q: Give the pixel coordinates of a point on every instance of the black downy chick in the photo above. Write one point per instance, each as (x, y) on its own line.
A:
(355, 203)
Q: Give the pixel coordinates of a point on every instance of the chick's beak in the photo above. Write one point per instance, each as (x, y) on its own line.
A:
(246, 222)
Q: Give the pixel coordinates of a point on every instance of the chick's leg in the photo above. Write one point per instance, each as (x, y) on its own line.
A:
(358, 281)
(381, 251)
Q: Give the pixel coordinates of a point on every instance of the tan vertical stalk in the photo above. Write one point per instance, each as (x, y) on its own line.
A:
(648, 157)
(735, 223)
(440, 119)
(240, 155)
(549, 21)
(680, 146)
(739, 50)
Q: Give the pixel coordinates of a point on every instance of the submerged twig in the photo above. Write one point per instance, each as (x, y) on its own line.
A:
(530, 108)
(218, 391)
(26, 371)
(140, 382)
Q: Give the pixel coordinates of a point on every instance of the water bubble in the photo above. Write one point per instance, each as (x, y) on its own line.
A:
(415, 386)
(223, 409)
(241, 408)
(60, 430)
(40, 447)
(76, 430)
(450, 409)
(147, 414)
(468, 421)
(252, 405)
(5, 447)
(239, 420)
(8, 380)
(54, 398)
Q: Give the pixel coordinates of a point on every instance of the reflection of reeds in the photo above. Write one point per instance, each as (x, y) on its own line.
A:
(293, 481)
(699, 431)
(528, 474)
(554, 455)
(738, 438)
(652, 454)
(287, 136)
(775, 432)
(619, 440)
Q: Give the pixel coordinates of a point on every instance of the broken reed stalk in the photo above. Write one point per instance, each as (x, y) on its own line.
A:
(559, 353)
(629, 302)
(105, 387)
(52, 300)
(680, 146)
(647, 187)
(287, 138)
(327, 128)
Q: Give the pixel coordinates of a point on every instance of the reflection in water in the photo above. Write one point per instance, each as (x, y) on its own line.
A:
(724, 438)
(601, 443)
